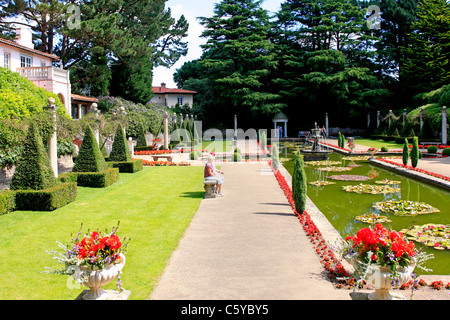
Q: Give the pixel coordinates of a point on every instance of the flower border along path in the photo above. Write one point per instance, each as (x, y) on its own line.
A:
(336, 271)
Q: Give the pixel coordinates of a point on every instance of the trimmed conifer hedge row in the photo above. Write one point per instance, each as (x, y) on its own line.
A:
(7, 201)
(129, 166)
(101, 179)
(38, 200)
(46, 200)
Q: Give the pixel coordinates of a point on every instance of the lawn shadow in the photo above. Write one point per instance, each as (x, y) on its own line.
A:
(193, 194)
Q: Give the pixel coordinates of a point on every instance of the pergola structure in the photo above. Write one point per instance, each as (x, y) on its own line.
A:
(280, 118)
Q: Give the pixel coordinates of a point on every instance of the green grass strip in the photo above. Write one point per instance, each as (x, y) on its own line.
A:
(154, 207)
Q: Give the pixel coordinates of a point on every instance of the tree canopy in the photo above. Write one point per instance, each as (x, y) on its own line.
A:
(110, 34)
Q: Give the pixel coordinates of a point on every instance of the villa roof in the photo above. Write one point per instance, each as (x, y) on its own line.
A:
(77, 97)
(162, 89)
(19, 46)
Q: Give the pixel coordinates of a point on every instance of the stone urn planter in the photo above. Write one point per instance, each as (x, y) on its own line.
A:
(97, 279)
(381, 279)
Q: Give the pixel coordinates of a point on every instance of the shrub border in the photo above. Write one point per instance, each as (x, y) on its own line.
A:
(45, 200)
(100, 179)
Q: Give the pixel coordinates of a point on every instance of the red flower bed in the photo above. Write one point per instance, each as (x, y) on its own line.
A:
(328, 260)
(150, 152)
(165, 164)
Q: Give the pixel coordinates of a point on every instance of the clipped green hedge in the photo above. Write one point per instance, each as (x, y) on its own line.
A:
(46, 200)
(401, 140)
(129, 166)
(446, 152)
(7, 201)
(100, 179)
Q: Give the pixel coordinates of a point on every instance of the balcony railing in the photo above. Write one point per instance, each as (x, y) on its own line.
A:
(43, 73)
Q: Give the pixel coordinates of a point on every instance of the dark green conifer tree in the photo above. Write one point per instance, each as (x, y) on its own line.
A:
(299, 183)
(120, 150)
(90, 158)
(33, 171)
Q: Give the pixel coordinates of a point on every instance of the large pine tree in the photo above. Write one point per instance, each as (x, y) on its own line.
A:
(239, 57)
(427, 57)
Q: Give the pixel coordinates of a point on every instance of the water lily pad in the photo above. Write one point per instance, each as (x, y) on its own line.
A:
(370, 189)
(387, 181)
(356, 158)
(334, 169)
(322, 183)
(349, 177)
(323, 163)
(431, 235)
(405, 207)
(372, 218)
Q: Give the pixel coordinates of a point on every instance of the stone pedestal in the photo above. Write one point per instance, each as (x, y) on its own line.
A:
(111, 295)
(210, 188)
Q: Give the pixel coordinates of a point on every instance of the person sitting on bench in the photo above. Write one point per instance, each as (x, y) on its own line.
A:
(212, 174)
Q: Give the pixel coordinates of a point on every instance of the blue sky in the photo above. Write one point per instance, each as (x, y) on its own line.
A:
(191, 10)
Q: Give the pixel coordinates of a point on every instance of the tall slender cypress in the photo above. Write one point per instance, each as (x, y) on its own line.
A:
(299, 183)
(405, 152)
(415, 152)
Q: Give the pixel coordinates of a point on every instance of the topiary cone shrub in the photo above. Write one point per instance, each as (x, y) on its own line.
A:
(299, 183)
(120, 150)
(405, 155)
(33, 172)
(141, 141)
(90, 166)
(415, 152)
(90, 158)
(34, 183)
(120, 156)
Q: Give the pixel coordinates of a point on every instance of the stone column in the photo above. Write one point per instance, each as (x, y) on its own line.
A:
(421, 118)
(95, 112)
(235, 131)
(285, 129)
(444, 125)
(368, 120)
(378, 118)
(404, 117)
(166, 131)
(327, 125)
(52, 140)
(123, 113)
(79, 110)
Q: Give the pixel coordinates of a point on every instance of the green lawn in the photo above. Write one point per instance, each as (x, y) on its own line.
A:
(218, 145)
(154, 207)
(378, 143)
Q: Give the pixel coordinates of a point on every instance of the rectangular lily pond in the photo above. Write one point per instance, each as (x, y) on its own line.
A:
(369, 192)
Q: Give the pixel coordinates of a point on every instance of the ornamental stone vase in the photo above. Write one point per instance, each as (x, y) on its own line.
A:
(99, 278)
(381, 279)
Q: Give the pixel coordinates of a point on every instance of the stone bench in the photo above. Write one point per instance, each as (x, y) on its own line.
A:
(210, 189)
(162, 156)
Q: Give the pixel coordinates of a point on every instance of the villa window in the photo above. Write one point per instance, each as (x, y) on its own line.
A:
(7, 60)
(180, 101)
(25, 61)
